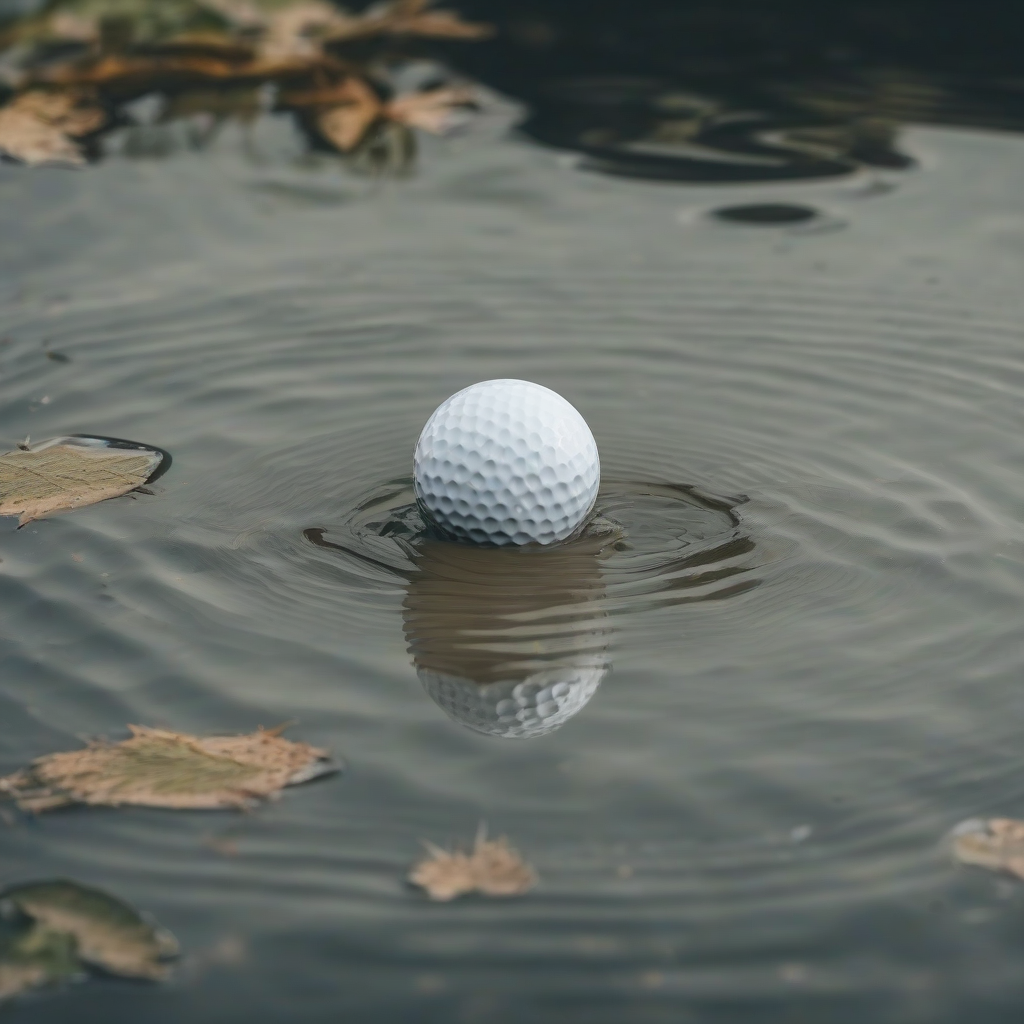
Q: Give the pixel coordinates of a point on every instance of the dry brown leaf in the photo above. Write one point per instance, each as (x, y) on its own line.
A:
(996, 844)
(493, 868)
(39, 126)
(409, 17)
(69, 473)
(434, 110)
(294, 31)
(159, 768)
(355, 107)
(66, 25)
(16, 978)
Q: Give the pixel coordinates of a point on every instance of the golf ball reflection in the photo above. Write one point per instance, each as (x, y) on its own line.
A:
(508, 642)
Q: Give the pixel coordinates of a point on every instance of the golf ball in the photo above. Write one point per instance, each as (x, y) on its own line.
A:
(507, 462)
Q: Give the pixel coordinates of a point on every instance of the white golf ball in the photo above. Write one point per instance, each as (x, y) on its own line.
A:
(507, 462)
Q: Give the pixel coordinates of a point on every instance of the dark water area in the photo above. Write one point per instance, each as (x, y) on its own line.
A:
(773, 253)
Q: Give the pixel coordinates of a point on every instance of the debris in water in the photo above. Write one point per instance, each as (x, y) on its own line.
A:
(996, 844)
(159, 768)
(412, 18)
(432, 110)
(769, 214)
(79, 59)
(40, 126)
(343, 114)
(66, 473)
(493, 868)
(51, 932)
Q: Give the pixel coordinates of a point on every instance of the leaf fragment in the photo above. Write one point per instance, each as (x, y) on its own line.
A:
(51, 930)
(40, 126)
(66, 473)
(160, 768)
(354, 109)
(996, 844)
(494, 868)
(433, 110)
(409, 17)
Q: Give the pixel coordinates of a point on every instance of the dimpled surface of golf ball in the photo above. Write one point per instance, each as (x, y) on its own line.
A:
(507, 462)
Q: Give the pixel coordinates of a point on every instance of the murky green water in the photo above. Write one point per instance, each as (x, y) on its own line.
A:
(794, 633)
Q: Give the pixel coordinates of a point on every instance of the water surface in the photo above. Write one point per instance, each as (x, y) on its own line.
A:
(799, 608)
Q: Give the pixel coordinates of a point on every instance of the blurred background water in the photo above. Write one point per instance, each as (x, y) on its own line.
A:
(773, 254)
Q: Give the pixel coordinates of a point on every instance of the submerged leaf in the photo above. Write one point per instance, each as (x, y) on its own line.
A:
(41, 127)
(996, 844)
(493, 868)
(71, 472)
(159, 768)
(51, 930)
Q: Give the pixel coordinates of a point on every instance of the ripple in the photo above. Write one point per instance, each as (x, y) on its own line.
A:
(835, 646)
(515, 642)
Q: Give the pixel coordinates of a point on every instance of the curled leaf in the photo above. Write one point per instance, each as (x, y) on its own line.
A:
(996, 844)
(494, 868)
(159, 768)
(40, 126)
(71, 472)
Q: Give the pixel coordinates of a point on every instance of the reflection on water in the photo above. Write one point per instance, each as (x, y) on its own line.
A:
(510, 643)
(514, 642)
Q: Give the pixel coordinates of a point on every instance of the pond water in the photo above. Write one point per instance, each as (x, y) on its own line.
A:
(787, 652)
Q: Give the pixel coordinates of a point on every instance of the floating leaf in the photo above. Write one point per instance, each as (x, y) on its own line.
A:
(39, 126)
(158, 768)
(354, 108)
(51, 930)
(493, 868)
(996, 844)
(71, 472)
(434, 110)
(409, 17)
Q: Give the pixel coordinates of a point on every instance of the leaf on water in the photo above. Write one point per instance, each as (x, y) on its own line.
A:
(51, 930)
(40, 126)
(493, 868)
(996, 844)
(68, 473)
(355, 106)
(344, 113)
(159, 768)
(434, 110)
(409, 17)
